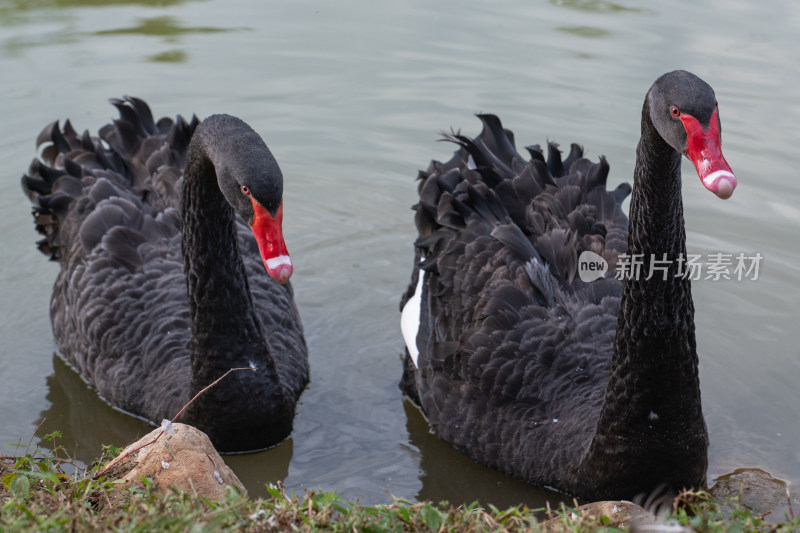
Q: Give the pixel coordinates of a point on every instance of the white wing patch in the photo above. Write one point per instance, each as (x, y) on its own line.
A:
(409, 319)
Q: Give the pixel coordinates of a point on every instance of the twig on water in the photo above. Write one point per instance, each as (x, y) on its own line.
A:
(164, 426)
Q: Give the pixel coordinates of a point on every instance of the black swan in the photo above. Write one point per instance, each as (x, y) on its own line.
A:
(589, 387)
(134, 233)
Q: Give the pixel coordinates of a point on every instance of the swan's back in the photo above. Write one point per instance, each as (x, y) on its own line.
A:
(132, 160)
(109, 210)
(514, 349)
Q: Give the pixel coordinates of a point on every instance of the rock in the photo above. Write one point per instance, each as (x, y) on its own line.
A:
(755, 489)
(619, 514)
(185, 460)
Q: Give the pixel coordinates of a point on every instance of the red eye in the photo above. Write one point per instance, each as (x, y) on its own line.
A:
(675, 111)
(245, 190)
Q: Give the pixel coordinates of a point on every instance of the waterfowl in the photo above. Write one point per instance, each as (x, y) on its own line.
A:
(173, 270)
(586, 386)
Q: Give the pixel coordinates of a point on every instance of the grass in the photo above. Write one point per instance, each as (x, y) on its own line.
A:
(37, 494)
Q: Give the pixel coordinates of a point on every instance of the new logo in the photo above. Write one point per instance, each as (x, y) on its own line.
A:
(591, 266)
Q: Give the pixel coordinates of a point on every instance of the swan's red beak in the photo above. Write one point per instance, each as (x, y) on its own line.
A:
(704, 150)
(269, 236)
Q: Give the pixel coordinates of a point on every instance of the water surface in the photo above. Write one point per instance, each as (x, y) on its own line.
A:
(350, 98)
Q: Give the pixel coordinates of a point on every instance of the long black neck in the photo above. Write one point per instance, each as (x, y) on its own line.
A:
(249, 409)
(653, 393)
(226, 332)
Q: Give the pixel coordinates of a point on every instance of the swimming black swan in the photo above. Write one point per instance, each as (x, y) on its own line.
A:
(587, 387)
(134, 232)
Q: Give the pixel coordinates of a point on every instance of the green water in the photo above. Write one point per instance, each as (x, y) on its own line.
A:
(350, 96)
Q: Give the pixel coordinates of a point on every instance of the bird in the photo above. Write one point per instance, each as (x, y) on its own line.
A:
(588, 386)
(173, 270)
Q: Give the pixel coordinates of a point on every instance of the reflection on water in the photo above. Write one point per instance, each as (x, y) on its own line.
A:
(597, 6)
(36, 5)
(448, 476)
(17, 12)
(585, 31)
(160, 27)
(86, 422)
(65, 15)
(258, 470)
(171, 56)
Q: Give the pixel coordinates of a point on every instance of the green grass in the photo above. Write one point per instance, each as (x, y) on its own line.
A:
(38, 495)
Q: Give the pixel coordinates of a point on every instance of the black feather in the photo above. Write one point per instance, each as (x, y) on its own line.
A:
(112, 214)
(525, 367)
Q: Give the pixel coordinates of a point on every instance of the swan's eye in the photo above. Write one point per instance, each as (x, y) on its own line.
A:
(675, 111)
(245, 190)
